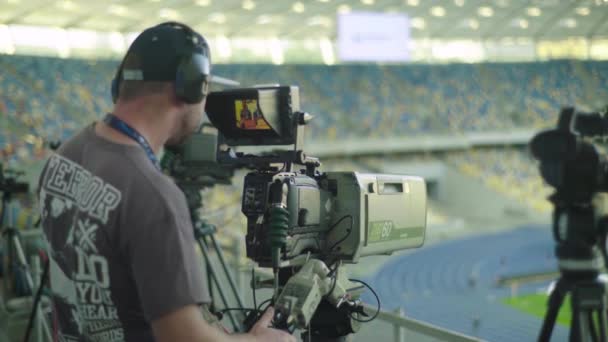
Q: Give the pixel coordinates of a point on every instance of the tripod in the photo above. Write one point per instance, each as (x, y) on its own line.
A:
(588, 291)
(204, 233)
(15, 251)
(578, 171)
(581, 257)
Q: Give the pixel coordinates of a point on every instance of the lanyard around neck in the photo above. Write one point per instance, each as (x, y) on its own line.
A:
(130, 132)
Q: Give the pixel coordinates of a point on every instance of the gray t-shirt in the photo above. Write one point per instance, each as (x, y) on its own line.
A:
(120, 238)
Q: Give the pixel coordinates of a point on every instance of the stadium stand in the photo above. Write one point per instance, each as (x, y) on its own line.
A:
(347, 100)
(45, 98)
(509, 171)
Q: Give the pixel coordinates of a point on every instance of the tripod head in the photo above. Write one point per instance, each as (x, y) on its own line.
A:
(9, 181)
(9, 186)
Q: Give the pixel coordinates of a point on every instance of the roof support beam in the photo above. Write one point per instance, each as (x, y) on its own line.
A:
(597, 25)
(549, 23)
(27, 11)
(445, 28)
(499, 25)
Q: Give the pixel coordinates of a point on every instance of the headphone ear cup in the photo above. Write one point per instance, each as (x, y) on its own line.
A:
(188, 81)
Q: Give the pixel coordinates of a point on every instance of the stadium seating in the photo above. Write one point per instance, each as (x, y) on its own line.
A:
(347, 100)
(43, 98)
(510, 171)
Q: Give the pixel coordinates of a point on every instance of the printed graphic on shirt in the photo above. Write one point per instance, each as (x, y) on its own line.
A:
(73, 198)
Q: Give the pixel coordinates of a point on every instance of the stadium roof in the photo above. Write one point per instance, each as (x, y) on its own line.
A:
(300, 19)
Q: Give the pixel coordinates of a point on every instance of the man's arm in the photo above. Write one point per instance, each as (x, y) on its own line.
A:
(187, 324)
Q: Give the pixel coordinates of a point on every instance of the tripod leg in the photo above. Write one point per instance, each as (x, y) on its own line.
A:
(30, 281)
(220, 256)
(602, 321)
(553, 304)
(581, 322)
(213, 274)
(591, 325)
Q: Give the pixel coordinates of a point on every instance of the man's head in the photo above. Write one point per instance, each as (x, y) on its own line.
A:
(167, 67)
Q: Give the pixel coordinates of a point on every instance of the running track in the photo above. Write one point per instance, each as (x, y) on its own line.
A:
(434, 284)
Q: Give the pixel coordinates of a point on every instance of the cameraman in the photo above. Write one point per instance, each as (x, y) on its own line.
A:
(121, 248)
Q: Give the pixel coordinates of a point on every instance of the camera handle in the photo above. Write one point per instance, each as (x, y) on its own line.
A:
(315, 294)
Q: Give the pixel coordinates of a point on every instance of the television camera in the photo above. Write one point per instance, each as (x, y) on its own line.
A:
(578, 170)
(304, 223)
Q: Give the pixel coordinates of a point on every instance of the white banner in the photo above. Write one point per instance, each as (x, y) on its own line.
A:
(373, 37)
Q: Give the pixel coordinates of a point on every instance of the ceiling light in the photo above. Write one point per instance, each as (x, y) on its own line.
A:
(368, 2)
(67, 5)
(413, 3)
(276, 51)
(6, 41)
(298, 7)
(223, 46)
(473, 24)
(167, 13)
(323, 0)
(459, 3)
(582, 11)
(569, 22)
(327, 51)
(117, 9)
(117, 41)
(533, 11)
(437, 11)
(418, 23)
(343, 9)
(203, 3)
(218, 18)
(485, 11)
(523, 23)
(263, 19)
(248, 5)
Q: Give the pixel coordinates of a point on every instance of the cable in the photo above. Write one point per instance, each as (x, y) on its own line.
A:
(348, 231)
(3, 211)
(283, 167)
(338, 222)
(269, 300)
(377, 300)
(333, 285)
(255, 305)
(236, 309)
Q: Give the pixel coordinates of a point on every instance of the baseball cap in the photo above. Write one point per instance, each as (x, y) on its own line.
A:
(156, 53)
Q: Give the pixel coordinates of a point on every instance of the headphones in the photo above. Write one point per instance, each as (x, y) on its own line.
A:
(193, 68)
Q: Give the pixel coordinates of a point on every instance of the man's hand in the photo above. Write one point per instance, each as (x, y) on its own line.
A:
(262, 331)
(187, 324)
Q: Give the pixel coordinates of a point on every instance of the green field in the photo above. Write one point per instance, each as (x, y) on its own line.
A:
(536, 304)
